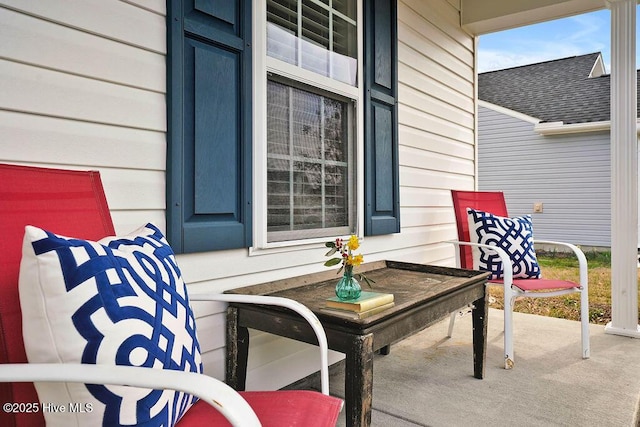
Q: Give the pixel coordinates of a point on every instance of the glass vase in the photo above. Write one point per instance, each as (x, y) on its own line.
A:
(348, 287)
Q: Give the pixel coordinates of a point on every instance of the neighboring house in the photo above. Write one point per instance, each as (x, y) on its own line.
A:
(225, 124)
(543, 139)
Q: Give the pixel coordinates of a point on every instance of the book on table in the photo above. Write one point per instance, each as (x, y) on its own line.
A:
(348, 314)
(366, 301)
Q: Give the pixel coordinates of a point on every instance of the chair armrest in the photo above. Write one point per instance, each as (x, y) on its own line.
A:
(301, 309)
(582, 260)
(216, 393)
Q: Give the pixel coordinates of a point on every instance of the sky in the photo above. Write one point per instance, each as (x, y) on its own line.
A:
(576, 35)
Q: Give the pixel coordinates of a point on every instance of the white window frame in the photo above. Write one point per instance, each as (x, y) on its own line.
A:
(262, 65)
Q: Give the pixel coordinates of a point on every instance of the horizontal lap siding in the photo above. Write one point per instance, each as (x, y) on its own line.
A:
(82, 86)
(120, 21)
(569, 174)
(437, 115)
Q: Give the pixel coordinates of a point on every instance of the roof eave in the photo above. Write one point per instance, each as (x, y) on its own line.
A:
(486, 16)
(559, 128)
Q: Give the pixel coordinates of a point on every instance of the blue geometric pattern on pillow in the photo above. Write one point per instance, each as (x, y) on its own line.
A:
(514, 235)
(137, 283)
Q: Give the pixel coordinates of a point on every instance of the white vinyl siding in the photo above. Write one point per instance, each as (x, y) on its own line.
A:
(570, 174)
(436, 132)
(82, 86)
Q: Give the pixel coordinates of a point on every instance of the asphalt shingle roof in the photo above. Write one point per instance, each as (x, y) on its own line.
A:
(552, 91)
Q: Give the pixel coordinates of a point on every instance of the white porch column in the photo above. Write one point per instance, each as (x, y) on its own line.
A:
(624, 171)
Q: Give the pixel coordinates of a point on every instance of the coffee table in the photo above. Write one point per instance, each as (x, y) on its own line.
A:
(424, 294)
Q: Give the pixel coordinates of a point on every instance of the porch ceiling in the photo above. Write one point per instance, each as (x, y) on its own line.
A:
(487, 16)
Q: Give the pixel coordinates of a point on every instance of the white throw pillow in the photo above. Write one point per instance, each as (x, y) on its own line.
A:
(514, 235)
(119, 301)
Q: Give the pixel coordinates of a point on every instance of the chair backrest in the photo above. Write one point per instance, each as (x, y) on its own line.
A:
(487, 201)
(70, 203)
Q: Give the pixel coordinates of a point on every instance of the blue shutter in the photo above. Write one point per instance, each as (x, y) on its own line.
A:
(209, 118)
(382, 188)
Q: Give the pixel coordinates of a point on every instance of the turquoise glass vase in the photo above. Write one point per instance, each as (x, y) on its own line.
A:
(348, 287)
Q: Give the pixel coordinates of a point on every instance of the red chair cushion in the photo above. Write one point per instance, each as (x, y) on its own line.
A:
(539, 284)
(303, 408)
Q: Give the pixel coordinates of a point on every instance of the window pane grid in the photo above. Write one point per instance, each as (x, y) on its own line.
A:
(308, 163)
(324, 163)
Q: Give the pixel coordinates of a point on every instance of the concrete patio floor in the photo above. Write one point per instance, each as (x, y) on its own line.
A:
(427, 380)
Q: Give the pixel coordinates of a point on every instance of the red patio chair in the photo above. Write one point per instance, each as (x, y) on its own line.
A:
(73, 203)
(494, 203)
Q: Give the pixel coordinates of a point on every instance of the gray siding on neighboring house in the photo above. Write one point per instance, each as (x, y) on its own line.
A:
(569, 174)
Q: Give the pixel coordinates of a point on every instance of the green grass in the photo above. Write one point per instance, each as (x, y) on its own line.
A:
(557, 265)
(565, 260)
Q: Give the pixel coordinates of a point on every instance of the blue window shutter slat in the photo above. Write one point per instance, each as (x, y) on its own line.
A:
(382, 185)
(209, 138)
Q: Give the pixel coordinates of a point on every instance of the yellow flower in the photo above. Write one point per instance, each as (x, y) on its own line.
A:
(357, 260)
(353, 243)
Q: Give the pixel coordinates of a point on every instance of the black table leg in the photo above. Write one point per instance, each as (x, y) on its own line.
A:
(359, 381)
(480, 315)
(237, 351)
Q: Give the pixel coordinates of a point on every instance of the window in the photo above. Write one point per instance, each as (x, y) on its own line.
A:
(312, 104)
(282, 121)
(310, 183)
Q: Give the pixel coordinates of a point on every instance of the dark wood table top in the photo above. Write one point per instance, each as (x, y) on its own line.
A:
(411, 285)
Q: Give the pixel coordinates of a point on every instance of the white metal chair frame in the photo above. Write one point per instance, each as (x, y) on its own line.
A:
(216, 393)
(511, 292)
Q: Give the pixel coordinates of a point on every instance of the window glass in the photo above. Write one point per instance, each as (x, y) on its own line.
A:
(309, 163)
(315, 35)
(345, 7)
(282, 30)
